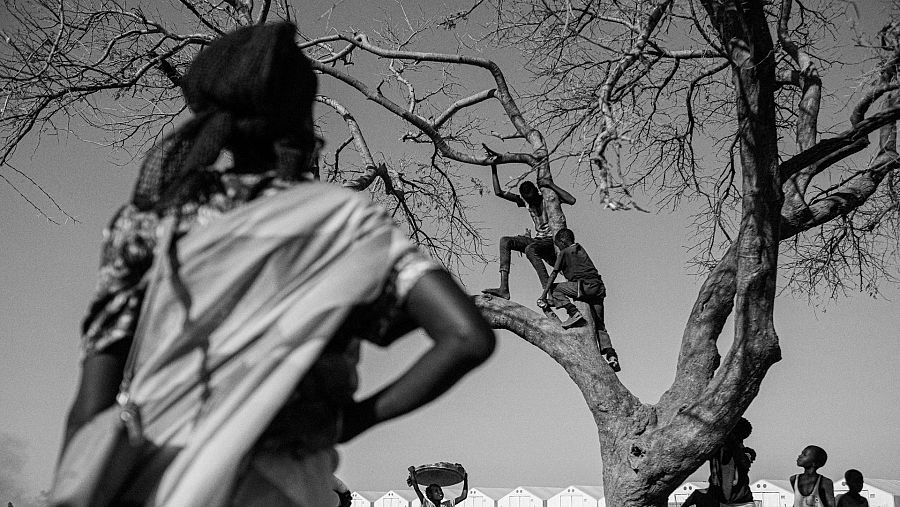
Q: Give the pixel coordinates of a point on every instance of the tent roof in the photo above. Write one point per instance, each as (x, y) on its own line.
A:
(781, 484)
(404, 494)
(542, 492)
(891, 486)
(592, 491)
(370, 495)
(492, 493)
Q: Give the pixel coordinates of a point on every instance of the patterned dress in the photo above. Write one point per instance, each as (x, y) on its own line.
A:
(128, 251)
(310, 421)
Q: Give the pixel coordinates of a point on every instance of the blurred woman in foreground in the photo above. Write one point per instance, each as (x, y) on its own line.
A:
(246, 292)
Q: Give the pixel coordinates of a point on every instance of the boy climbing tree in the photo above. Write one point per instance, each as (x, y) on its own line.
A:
(583, 284)
(537, 249)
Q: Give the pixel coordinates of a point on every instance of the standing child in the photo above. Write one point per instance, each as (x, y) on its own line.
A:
(810, 488)
(729, 467)
(852, 498)
(583, 284)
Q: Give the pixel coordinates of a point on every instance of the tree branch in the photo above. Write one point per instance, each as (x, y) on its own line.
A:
(537, 159)
(829, 146)
(463, 103)
(574, 349)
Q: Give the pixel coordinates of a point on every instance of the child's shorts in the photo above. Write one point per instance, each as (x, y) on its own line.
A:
(591, 291)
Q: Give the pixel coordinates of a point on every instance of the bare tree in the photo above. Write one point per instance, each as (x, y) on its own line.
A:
(638, 90)
(636, 81)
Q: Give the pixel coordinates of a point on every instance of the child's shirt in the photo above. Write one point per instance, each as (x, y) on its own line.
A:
(848, 500)
(576, 265)
(541, 219)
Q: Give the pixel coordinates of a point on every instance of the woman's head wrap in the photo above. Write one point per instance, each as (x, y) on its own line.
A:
(252, 89)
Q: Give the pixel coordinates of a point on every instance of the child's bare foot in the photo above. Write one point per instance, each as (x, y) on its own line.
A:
(499, 292)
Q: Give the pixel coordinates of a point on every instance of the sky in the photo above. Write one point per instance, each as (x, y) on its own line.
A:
(518, 419)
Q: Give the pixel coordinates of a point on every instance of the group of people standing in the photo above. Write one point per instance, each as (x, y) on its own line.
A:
(729, 479)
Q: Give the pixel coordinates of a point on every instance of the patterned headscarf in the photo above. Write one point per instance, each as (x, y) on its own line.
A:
(252, 89)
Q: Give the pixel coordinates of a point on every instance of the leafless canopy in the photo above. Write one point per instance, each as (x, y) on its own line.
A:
(643, 96)
(108, 72)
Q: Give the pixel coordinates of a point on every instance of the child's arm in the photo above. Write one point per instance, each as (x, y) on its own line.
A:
(740, 457)
(564, 197)
(495, 181)
(465, 490)
(415, 485)
(840, 500)
(826, 492)
(550, 280)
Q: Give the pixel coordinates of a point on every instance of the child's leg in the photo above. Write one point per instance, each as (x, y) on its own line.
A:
(539, 251)
(603, 339)
(563, 293)
(507, 245)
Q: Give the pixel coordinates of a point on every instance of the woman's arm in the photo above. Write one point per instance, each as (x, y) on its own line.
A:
(125, 256)
(462, 341)
(101, 375)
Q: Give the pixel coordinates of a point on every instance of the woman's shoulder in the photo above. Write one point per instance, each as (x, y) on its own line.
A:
(129, 228)
(321, 189)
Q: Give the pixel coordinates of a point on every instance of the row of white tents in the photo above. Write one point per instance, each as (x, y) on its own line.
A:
(766, 493)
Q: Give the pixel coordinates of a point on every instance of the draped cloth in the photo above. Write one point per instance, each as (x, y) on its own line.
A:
(228, 330)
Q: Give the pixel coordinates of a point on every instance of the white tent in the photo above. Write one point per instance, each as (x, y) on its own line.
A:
(484, 497)
(365, 498)
(879, 492)
(772, 493)
(400, 498)
(578, 496)
(677, 497)
(528, 496)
